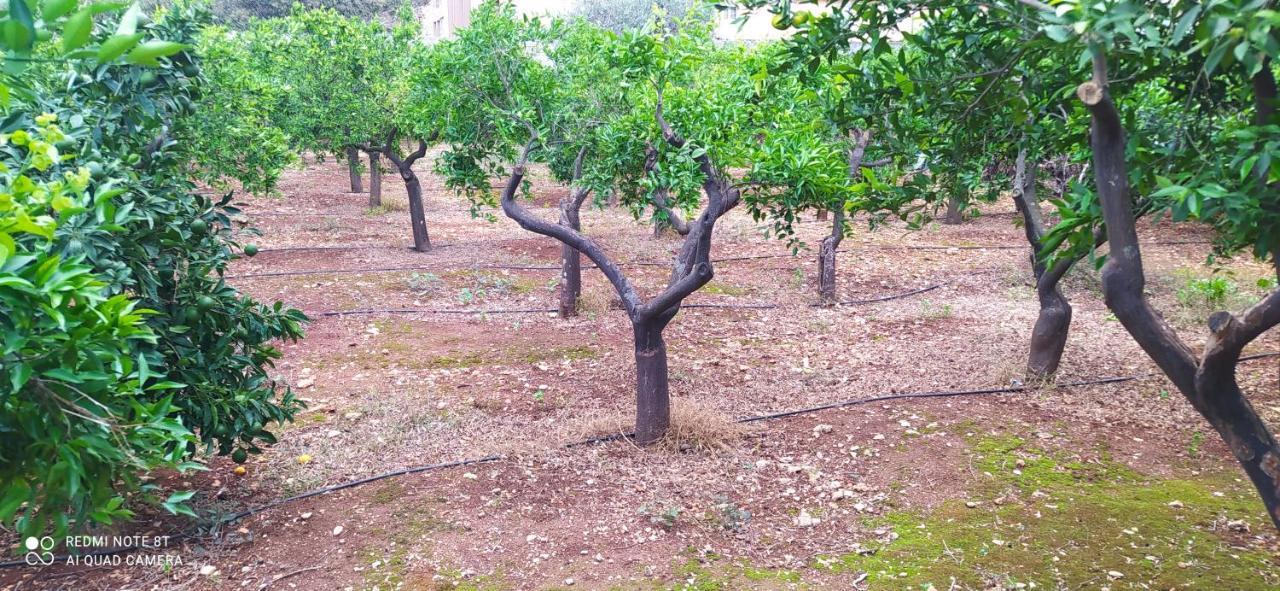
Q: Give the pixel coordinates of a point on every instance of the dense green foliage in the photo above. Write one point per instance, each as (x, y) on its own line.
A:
(124, 350)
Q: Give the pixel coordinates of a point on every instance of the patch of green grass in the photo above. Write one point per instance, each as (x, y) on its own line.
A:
(465, 360)
(718, 288)
(704, 575)
(1070, 524)
(387, 493)
(572, 353)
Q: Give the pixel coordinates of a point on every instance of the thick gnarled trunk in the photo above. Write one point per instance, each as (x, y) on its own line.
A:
(1210, 383)
(653, 398)
(1053, 324)
(1049, 336)
(353, 169)
(417, 213)
(570, 258)
(412, 187)
(375, 180)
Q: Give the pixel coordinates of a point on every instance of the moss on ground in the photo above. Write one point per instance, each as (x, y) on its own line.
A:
(1067, 523)
(718, 288)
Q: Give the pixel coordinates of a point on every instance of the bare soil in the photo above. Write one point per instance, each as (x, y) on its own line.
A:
(393, 390)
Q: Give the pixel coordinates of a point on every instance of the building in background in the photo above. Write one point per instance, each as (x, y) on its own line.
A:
(441, 18)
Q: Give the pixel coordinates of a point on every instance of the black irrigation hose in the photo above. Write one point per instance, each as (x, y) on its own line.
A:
(761, 306)
(590, 266)
(427, 311)
(607, 438)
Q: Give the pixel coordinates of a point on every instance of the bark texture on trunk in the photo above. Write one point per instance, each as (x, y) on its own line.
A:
(417, 212)
(1210, 383)
(955, 213)
(353, 169)
(375, 179)
(653, 398)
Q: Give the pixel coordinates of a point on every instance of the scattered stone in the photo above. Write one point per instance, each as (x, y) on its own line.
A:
(337, 531)
(305, 383)
(1176, 504)
(208, 570)
(306, 516)
(971, 504)
(1115, 574)
(807, 520)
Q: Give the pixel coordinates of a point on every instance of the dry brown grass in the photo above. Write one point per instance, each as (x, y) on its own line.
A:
(392, 203)
(594, 302)
(694, 427)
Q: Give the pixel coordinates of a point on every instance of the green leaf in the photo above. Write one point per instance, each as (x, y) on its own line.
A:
(1184, 24)
(52, 10)
(129, 22)
(19, 28)
(77, 30)
(116, 45)
(1058, 33)
(147, 53)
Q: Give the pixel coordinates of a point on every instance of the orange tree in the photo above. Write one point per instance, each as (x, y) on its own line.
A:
(691, 116)
(123, 350)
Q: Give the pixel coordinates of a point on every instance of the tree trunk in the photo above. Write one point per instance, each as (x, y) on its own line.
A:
(1049, 336)
(1223, 403)
(653, 399)
(827, 260)
(375, 180)
(1208, 384)
(353, 169)
(417, 214)
(570, 259)
(955, 213)
(830, 244)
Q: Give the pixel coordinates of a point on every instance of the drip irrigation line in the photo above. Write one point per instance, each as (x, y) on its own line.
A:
(335, 247)
(694, 305)
(429, 311)
(592, 266)
(233, 517)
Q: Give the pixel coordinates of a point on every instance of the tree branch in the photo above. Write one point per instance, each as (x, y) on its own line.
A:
(575, 239)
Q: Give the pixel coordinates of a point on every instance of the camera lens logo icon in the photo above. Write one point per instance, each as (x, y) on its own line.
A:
(39, 551)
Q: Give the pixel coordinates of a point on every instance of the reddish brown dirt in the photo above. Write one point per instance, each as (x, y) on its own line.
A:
(388, 391)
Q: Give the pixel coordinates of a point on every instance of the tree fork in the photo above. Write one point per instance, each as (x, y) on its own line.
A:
(1053, 323)
(1209, 384)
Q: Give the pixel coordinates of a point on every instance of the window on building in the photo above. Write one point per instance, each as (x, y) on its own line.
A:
(437, 28)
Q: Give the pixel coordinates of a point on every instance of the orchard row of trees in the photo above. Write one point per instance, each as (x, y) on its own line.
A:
(1105, 111)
